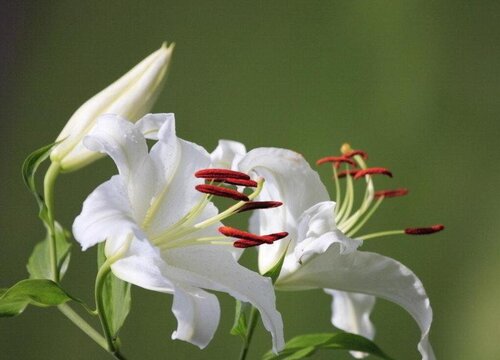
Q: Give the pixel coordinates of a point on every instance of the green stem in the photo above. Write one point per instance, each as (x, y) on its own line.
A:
(83, 325)
(48, 187)
(252, 322)
(99, 287)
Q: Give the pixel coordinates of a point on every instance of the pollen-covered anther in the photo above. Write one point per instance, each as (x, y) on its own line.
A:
(221, 191)
(246, 239)
(353, 153)
(344, 173)
(390, 193)
(238, 182)
(372, 171)
(220, 174)
(255, 205)
(424, 230)
(337, 160)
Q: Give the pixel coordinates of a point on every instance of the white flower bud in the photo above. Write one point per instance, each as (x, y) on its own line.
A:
(131, 97)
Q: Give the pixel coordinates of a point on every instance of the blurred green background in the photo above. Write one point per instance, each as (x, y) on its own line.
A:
(414, 83)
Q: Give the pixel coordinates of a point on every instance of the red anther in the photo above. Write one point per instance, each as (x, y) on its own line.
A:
(356, 152)
(243, 244)
(240, 234)
(337, 160)
(254, 205)
(246, 239)
(220, 174)
(425, 230)
(221, 191)
(344, 173)
(372, 171)
(240, 182)
(390, 193)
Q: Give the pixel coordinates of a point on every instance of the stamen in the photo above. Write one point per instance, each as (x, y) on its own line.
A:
(253, 205)
(243, 244)
(337, 160)
(425, 230)
(220, 174)
(221, 191)
(353, 153)
(344, 173)
(248, 239)
(390, 193)
(239, 182)
(372, 171)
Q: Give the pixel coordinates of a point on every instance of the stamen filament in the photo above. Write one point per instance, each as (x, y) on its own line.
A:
(365, 219)
(380, 234)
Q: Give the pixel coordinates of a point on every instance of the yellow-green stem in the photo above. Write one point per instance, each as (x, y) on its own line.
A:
(83, 325)
(48, 188)
(252, 322)
(99, 287)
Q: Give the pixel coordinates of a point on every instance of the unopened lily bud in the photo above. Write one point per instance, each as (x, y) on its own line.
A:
(131, 97)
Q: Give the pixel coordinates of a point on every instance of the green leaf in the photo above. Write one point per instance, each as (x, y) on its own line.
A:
(39, 266)
(29, 168)
(304, 346)
(240, 325)
(38, 292)
(275, 271)
(116, 296)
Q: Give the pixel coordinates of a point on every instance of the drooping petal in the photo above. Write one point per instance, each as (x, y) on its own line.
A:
(197, 314)
(106, 214)
(227, 154)
(289, 179)
(367, 273)
(351, 313)
(125, 144)
(197, 311)
(214, 268)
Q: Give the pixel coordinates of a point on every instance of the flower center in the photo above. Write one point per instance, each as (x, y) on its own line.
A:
(350, 220)
(184, 232)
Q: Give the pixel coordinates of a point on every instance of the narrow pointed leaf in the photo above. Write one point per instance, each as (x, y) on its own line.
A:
(304, 346)
(116, 296)
(240, 325)
(38, 292)
(39, 262)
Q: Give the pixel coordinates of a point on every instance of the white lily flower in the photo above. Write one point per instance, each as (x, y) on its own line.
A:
(318, 254)
(170, 228)
(131, 97)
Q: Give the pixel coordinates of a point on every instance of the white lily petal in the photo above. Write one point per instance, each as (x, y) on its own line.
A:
(106, 214)
(370, 274)
(289, 179)
(351, 313)
(124, 143)
(215, 268)
(316, 233)
(150, 124)
(197, 314)
(227, 154)
(177, 194)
